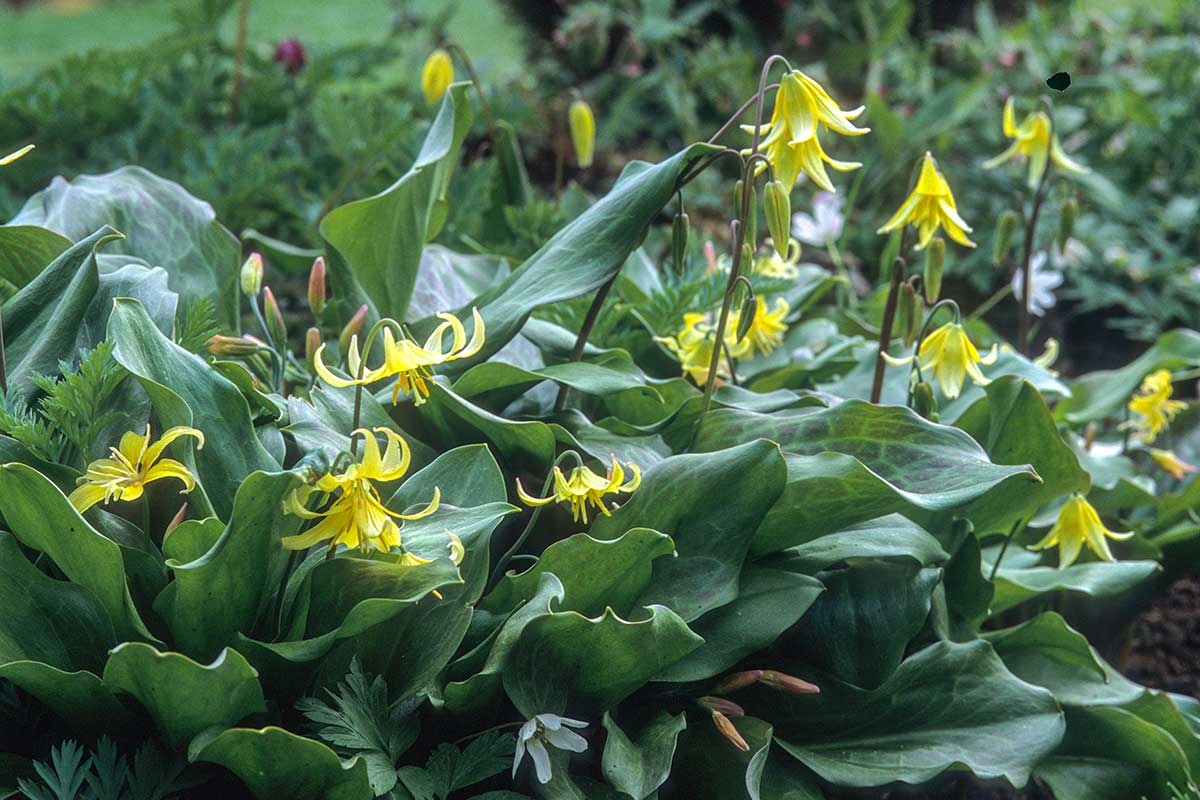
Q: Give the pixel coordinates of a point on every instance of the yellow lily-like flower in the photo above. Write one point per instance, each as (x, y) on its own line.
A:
(357, 518)
(1078, 523)
(11, 157)
(436, 75)
(766, 330)
(1153, 404)
(408, 360)
(584, 488)
(582, 123)
(930, 206)
(790, 142)
(134, 463)
(1171, 463)
(1033, 140)
(693, 347)
(771, 265)
(952, 357)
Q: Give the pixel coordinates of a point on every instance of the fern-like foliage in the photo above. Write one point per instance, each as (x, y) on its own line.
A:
(196, 324)
(104, 774)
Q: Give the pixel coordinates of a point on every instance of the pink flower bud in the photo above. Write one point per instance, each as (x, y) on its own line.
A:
(727, 730)
(316, 286)
(738, 680)
(787, 683)
(353, 328)
(722, 706)
(290, 55)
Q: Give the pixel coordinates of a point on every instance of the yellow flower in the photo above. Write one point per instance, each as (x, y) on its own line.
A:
(357, 517)
(790, 139)
(772, 265)
(952, 357)
(1169, 462)
(930, 206)
(1033, 141)
(693, 347)
(11, 157)
(1154, 405)
(408, 360)
(134, 463)
(1077, 523)
(583, 132)
(437, 75)
(766, 331)
(584, 488)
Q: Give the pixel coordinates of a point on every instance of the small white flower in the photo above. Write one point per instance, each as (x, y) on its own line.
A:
(542, 730)
(1045, 281)
(1074, 254)
(825, 223)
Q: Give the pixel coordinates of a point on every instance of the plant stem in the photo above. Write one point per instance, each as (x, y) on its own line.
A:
(146, 523)
(502, 562)
(484, 106)
(724, 129)
(585, 330)
(239, 59)
(885, 329)
(990, 303)
(3, 359)
(1039, 197)
(846, 290)
(1004, 549)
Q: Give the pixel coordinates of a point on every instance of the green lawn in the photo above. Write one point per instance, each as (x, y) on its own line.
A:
(39, 35)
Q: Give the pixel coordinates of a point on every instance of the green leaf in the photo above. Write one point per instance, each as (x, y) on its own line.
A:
(80, 698)
(890, 536)
(227, 589)
(585, 254)
(186, 391)
(458, 421)
(992, 723)
(274, 763)
(1020, 578)
(452, 769)
(26, 249)
(41, 517)
(567, 658)
(182, 696)
(712, 505)
(711, 768)
(376, 243)
(162, 223)
(638, 768)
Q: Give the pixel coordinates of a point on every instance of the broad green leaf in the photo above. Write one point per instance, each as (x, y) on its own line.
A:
(274, 763)
(26, 249)
(163, 225)
(147, 286)
(375, 243)
(992, 723)
(182, 696)
(459, 421)
(1103, 394)
(567, 659)
(1099, 777)
(80, 698)
(585, 254)
(41, 517)
(42, 320)
(227, 589)
(575, 431)
(186, 391)
(712, 505)
(769, 602)
(467, 476)
(1015, 427)
(891, 536)
(595, 574)
(1021, 578)
(495, 379)
(639, 767)
(859, 629)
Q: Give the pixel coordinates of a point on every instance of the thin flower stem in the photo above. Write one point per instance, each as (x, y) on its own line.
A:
(1039, 197)
(885, 328)
(362, 367)
(499, 727)
(146, 523)
(990, 303)
(3, 360)
(493, 134)
(498, 570)
(724, 129)
(585, 330)
(846, 291)
(1004, 549)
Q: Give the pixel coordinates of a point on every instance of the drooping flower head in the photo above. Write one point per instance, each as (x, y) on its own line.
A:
(1032, 139)
(765, 333)
(1171, 463)
(357, 518)
(693, 347)
(929, 207)
(407, 360)
(790, 143)
(585, 488)
(952, 357)
(542, 730)
(134, 463)
(436, 75)
(1077, 524)
(1153, 404)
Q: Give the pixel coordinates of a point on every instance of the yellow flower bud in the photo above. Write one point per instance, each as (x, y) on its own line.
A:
(583, 132)
(437, 75)
(935, 259)
(777, 205)
(252, 275)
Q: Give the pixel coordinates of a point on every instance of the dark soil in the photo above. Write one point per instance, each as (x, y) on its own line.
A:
(1164, 648)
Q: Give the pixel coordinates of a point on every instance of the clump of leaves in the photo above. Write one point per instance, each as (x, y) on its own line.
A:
(105, 772)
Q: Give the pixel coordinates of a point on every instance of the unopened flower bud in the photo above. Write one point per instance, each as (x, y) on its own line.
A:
(710, 256)
(935, 260)
(176, 520)
(787, 683)
(275, 323)
(679, 241)
(727, 730)
(583, 132)
(353, 328)
(252, 275)
(907, 315)
(219, 345)
(1066, 222)
(738, 680)
(316, 286)
(1171, 463)
(290, 55)
(1006, 226)
(1089, 436)
(722, 706)
(746, 265)
(924, 401)
(312, 340)
(436, 75)
(777, 206)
